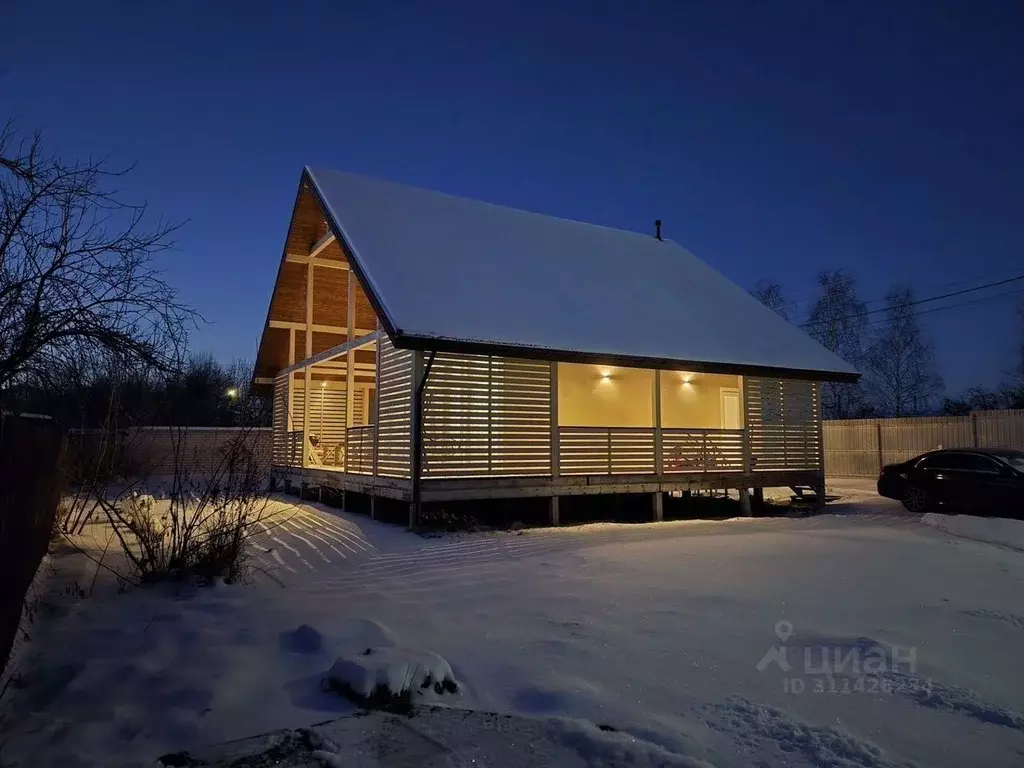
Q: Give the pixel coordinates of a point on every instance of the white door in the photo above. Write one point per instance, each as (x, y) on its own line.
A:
(732, 414)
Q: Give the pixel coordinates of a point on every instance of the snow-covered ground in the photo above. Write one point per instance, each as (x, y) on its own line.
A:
(856, 638)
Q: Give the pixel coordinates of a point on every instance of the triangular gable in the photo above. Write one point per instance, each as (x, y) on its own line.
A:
(307, 246)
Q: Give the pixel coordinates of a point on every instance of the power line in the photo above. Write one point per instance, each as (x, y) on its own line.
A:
(929, 298)
(971, 303)
(802, 317)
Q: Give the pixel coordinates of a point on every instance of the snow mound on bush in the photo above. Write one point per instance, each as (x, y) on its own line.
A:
(396, 673)
(1008, 533)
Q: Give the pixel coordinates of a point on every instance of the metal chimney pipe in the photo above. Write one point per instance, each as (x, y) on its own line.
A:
(657, 228)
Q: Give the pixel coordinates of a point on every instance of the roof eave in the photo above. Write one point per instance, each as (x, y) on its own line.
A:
(403, 340)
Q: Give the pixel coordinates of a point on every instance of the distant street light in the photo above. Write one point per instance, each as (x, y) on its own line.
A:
(232, 393)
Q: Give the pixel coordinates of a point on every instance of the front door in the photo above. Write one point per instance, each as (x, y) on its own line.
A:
(732, 408)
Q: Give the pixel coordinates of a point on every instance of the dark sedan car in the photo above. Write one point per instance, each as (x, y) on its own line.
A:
(985, 481)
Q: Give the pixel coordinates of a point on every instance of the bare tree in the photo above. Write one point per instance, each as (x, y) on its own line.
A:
(838, 321)
(76, 268)
(770, 294)
(1012, 390)
(902, 376)
(971, 399)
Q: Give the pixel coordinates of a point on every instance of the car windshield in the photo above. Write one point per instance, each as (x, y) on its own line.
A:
(1014, 458)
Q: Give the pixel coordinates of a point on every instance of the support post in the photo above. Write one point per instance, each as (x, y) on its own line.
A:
(420, 373)
(350, 358)
(819, 426)
(819, 494)
(554, 510)
(658, 452)
(974, 428)
(308, 352)
(555, 460)
(658, 500)
(747, 466)
(376, 406)
(745, 509)
(306, 385)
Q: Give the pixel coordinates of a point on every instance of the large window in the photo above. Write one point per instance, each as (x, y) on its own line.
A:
(701, 400)
(605, 396)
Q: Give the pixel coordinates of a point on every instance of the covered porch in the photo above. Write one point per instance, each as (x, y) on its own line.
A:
(492, 427)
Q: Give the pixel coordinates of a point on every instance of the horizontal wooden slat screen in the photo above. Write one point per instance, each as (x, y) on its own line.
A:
(326, 435)
(486, 416)
(286, 445)
(359, 398)
(359, 450)
(394, 410)
(783, 418)
(702, 450)
(606, 450)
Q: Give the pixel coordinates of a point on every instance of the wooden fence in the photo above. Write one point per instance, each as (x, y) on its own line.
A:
(149, 451)
(30, 483)
(860, 447)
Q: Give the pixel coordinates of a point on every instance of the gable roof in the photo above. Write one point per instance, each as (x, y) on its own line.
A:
(449, 273)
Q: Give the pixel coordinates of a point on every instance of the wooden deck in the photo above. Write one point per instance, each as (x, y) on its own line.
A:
(451, 489)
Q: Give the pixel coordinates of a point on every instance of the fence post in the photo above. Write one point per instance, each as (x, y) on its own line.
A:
(974, 428)
(878, 441)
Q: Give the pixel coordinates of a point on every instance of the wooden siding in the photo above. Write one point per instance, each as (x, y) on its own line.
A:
(486, 416)
(359, 450)
(783, 419)
(326, 421)
(394, 410)
(286, 444)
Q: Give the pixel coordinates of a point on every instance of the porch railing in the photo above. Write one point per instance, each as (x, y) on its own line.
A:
(631, 450)
(359, 449)
(287, 449)
(702, 450)
(606, 450)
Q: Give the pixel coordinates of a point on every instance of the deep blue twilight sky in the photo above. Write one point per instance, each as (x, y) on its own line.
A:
(775, 139)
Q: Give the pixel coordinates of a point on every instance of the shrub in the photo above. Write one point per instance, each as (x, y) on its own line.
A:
(195, 527)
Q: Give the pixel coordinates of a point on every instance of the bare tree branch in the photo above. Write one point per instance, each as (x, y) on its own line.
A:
(77, 272)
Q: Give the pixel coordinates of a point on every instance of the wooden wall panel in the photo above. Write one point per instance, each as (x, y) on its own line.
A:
(394, 416)
(330, 296)
(486, 416)
(273, 353)
(308, 224)
(783, 419)
(286, 443)
(289, 302)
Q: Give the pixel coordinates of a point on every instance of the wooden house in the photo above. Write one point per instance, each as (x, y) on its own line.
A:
(427, 348)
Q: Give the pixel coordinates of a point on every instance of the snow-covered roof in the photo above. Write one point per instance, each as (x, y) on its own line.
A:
(449, 273)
